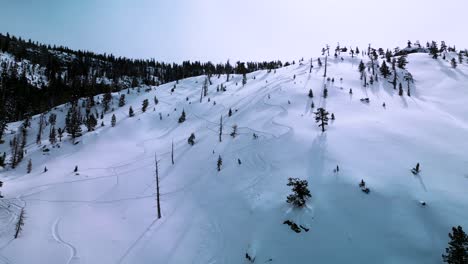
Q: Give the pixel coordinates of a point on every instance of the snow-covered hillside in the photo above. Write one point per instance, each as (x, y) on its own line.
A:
(106, 212)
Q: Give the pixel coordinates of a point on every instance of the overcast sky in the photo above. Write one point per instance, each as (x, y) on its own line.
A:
(175, 30)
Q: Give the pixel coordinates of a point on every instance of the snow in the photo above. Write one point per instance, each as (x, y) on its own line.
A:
(106, 212)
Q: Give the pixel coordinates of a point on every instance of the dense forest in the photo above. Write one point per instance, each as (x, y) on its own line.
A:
(36, 77)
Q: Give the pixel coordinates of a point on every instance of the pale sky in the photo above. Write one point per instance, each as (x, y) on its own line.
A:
(217, 30)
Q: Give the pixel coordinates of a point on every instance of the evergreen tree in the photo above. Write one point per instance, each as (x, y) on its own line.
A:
(191, 139)
(230, 112)
(361, 67)
(244, 79)
(402, 61)
(182, 117)
(130, 112)
(52, 136)
(457, 251)
(311, 94)
(384, 70)
(144, 105)
(433, 50)
(106, 101)
(300, 193)
(156, 101)
(122, 100)
(400, 90)
(73, 122)
(325, 92)
(29, 167)
(2, 159)
(453, 62)
(219, 163)
(113, 120)
(91, 122)
(321, 117)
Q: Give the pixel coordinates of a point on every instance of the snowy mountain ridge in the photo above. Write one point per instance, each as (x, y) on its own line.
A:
(105, 211)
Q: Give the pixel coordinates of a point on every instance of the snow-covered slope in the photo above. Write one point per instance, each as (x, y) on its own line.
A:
(106, 213)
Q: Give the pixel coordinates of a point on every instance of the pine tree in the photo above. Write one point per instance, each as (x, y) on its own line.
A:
(73, 122)
(361, 67)
(29, 167)
(144, 105)
(402, 61)
(321, 117)
(113, 120)
(122, 100)
(182, 117)
(453, 62)
(130, 112)
(91, 122)
(311, 94)
(244, 79)
(457, 251)
(400, 90)
(52, 136)
(156, 101)
(325, 92)
(384, 70)
(300, 193)
(219, 163)
(191, 139)
(433, 50)
(230, 112)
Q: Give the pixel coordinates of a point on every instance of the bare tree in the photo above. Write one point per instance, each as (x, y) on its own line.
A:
(19, 224)
(157, 186)
(172, 152)
(220, 128)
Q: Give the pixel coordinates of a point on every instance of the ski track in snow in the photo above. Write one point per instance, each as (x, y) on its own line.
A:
(56, 235)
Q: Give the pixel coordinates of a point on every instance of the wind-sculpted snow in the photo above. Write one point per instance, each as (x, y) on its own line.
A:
(106, 211)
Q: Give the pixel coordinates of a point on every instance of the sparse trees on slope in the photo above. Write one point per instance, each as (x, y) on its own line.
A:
(457, 251)
(300, 193)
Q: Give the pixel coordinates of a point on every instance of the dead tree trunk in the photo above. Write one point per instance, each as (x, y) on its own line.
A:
(19, 224)
(157, 186)
(220, 128)
(172, 152)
